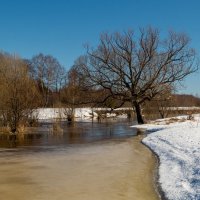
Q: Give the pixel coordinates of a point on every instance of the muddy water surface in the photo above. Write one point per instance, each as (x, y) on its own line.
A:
(110, 169)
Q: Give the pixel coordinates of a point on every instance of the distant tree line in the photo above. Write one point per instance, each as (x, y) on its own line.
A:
(124, 69)
(171, 105)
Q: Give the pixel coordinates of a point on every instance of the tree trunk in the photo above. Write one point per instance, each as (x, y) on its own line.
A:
(138, 111)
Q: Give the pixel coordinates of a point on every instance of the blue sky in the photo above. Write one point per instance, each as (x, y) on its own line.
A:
(62, 27)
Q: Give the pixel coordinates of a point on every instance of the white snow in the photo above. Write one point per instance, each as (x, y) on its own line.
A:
(79, 113)
(53, 113)
(178, 146)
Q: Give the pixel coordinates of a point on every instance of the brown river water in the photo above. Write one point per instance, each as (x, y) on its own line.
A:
(99, 162)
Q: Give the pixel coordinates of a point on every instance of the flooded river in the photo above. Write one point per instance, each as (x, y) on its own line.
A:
(99, 162)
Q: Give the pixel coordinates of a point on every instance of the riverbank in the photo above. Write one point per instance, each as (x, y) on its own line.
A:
(177, 144)
(156, 176)
(120, 169)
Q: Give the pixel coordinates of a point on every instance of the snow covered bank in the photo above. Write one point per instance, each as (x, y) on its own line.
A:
(53, 113)
(80, 113)
(178, 146)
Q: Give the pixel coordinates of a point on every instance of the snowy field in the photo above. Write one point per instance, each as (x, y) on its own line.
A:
(177, 143)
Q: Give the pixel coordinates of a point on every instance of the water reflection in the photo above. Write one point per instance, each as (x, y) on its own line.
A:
(69, 133)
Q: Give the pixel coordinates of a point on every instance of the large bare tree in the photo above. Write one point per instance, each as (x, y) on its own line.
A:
(137, 67)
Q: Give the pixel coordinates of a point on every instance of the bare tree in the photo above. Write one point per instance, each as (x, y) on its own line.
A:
(49, 74)
(18, 95)
(137, 68)
(72, 94)
(163, 104)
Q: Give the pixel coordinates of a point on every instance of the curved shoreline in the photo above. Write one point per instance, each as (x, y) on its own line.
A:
(157, 185)
(175, 142)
